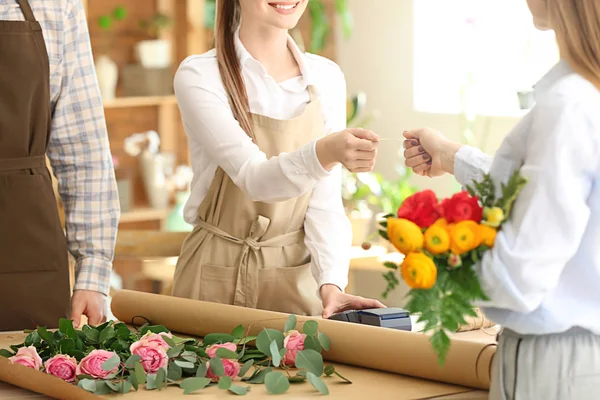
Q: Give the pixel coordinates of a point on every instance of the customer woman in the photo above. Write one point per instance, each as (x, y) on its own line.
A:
(266, 130)
(543, 275)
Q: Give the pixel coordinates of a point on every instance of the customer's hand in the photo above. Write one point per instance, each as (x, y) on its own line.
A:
(89, 303)
(335, 301)
(429, 153)
(355, 149)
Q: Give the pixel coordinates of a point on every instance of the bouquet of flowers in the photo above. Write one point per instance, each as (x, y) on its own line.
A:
(114, 358)
(442, 242)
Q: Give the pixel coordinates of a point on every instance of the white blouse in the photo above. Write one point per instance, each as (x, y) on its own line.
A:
(217, 140)
(543, 274)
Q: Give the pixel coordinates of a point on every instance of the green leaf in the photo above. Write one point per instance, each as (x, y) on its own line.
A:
(114, 386)
(45, 335)
(245, 340)
(5, 353)
(102, 388)
(276, 358)
(245, 368)
(123, 331)
(324, 341)
(161, 376)
(202, 370)
(391, 265)
(441, 344)
(151, 382)
(259, 378)
(87, 384)
(154, 329)
(341, 377)
(239, 390)
(224, 382)
(140, 374)
(134, 381)
(329, 370)
(66, 346)
(290, 323)
(296, 379)
(384, 234)
(106, 334)
(311, 342)
(317, 383)
(90, 334)
(311, 361)
(175, 351)
(226, 353)
(264, 339)
(131, 361)
(276, 383)
(66, 327)
(214, 338)
(126, 387)
(111, 363)
(184, 364)
(216, 366)
(238, 332)
(174, 371)
(190, 385)
(169, 341)
(310, 328)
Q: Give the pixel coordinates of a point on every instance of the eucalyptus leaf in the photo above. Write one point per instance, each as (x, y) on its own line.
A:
(132, 360)
(311, 342)
(175, 351)
(310, 328)
(102, 388)
(134, 382)
(174, 371)
(244, 369)
(245, 340)
(311, 361)
(169, 341)
(214, 338)
(264, 339)
(224, 382)
(317, 383)
(184, 364)
(238, 332)
(161, 377)
(216, 366)
(66, 327)
(329, 370)
(259, 378)
(296, 379)
(114, 386)
(275, 356)
(151, 382)
(239, 390)
(126, 387)
(87, 384)
(290, 323)
(324, 341)
(226, 353)
(111, 363)
(190, 385)
(140, 373)
(202, 370)
(276, 383)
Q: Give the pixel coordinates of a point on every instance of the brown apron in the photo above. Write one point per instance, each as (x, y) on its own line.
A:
(252, 254)
(34, 272)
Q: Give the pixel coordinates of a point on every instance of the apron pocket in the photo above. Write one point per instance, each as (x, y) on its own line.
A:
(29, 225)
(286, 289)
(217, 284)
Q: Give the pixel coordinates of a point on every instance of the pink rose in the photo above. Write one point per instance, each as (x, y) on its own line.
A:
(92, 364)
(28, 357)
(230, 367)
(293, 343)
(62, 366)
(154, 356)
(212, 350)
(156, 339)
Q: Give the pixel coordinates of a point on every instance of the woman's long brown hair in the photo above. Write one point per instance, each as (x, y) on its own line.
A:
(577, 27)
(227, 21)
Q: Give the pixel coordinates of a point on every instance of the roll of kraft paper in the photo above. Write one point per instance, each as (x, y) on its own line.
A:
(407, 353)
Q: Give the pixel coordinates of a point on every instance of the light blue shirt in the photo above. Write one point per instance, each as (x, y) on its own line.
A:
(543, 274)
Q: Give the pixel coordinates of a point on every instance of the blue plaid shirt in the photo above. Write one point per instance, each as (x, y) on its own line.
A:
(78, 149)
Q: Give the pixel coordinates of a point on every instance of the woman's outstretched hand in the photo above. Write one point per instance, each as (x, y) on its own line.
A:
(355, 149)
(335, 301)
(428, 153)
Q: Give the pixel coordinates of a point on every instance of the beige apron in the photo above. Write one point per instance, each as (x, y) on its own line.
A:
(252, 254)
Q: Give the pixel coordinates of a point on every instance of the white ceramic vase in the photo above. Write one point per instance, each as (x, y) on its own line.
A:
(154, 53)
(108, 74)
(155, 168)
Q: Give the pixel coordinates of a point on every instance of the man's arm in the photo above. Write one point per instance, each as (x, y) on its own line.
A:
(80, 157)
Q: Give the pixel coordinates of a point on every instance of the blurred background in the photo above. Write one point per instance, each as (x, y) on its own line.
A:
(465, 67)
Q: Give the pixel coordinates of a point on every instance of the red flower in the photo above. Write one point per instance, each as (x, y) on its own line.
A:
(462, 207)
(422, 208)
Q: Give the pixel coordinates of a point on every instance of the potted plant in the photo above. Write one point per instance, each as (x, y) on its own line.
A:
(155, 53)
(106, 69)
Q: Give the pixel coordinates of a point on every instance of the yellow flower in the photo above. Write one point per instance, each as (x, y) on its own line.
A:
(405, 235)
(464, 236)
(493, 216)
(437, 239)
(418, 271)
(488, 235)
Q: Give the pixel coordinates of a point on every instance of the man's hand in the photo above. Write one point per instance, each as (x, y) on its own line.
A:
(335, 301)
(89, 303)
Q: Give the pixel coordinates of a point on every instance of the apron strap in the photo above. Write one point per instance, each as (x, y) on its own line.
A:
(26, 10)
(15, 164)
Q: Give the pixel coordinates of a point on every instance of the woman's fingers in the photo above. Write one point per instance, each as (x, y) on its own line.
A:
(414, 151)
(417, 160)
(410, 143)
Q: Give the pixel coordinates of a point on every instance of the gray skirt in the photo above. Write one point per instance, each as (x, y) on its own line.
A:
(562, 366)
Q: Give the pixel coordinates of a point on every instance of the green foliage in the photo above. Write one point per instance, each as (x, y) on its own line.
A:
(154, 25)
(105, 22)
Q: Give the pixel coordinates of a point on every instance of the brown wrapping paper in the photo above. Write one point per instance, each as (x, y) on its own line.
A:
(407, 353)
(40, 382)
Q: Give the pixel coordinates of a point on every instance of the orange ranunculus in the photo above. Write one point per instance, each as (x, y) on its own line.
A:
(418, 271)
(406, 236)
(488, 235)
(437, 239)
(464, 236)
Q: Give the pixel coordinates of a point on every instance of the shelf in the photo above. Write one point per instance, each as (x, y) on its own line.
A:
(124, 102)
(143, 214)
